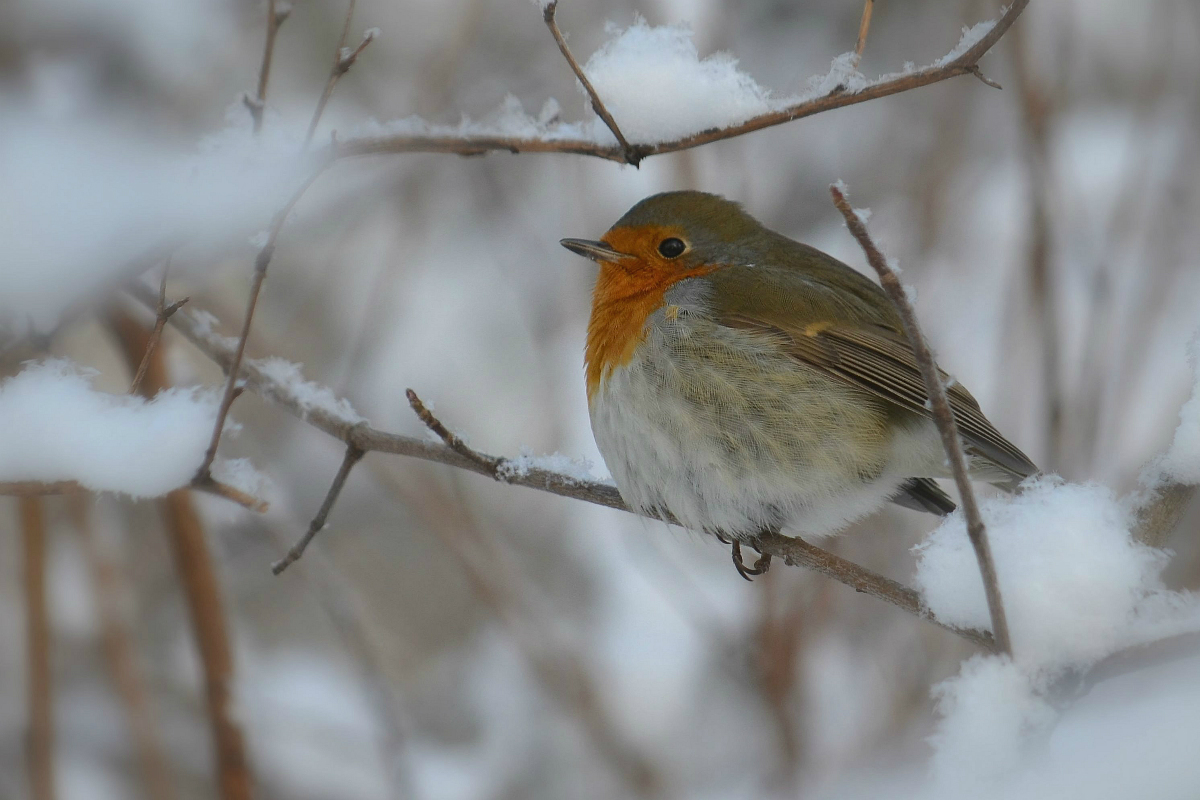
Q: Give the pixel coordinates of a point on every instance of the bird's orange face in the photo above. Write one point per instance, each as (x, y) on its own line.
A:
(647, 261)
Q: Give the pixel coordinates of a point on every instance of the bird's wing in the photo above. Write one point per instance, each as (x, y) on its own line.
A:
(873, 357)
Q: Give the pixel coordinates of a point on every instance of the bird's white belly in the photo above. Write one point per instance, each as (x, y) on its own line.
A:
(720, 430)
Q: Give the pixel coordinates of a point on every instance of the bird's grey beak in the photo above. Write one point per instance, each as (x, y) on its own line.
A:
(596, 251)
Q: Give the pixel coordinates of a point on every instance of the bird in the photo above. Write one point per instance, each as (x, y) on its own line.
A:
(739, 381)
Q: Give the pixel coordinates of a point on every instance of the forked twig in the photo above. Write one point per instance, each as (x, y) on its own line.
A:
(942, 416)
(343, 60)
(548, 11)
(163, 314)
(965, 64)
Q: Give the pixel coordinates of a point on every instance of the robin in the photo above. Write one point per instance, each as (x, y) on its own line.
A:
(740, 381)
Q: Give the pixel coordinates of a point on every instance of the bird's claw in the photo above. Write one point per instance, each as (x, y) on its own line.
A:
(761, 565)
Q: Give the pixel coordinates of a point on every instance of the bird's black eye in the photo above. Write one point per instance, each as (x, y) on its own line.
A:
(671, 248)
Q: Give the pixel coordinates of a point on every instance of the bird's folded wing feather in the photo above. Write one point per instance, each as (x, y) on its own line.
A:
(880, 360)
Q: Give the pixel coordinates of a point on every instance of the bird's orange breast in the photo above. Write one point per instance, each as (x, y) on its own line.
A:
(626, 294)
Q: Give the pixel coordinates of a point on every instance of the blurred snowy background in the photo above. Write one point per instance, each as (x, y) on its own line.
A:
(1049, 229)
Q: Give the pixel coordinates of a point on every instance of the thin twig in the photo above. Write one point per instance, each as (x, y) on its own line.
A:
(864, 25)
(548, 11)
(261, 262)
(943, 417)
(451, 439)
(353, 456)
(792, 551)
(343, 60)
(277, 12)
(965, 64)
(39, 745)
(164, 313)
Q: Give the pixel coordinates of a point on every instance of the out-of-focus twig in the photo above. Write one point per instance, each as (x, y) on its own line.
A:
(965, 64)
(121, 657)
(548, 12)
(202, 593)
(942, 416)
(1036, 112)
(39, 743)
(343, 60)
(352, 457)
(277, 12)
(793, 551)
(206, 485)
(864, 26)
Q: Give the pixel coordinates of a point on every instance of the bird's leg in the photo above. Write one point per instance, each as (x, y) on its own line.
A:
(760, 566)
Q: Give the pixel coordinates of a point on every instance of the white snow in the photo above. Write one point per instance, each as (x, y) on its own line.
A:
(1181, 462)
(970, 37)
(509, 120)
(657, 88)
(240, 474)
(55, 427)
(575, 469)
(308, 395)
(999, 694)
(843, 75)
(1071, 576)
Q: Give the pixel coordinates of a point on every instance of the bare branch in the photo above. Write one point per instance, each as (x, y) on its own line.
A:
(452, 441)
(864, 26)
(277, 13)
(942, 416)
(39, 752)
(260, 273)
(353, 432)
(352, 457)
(548, 11)
(965, 64)
(343, 60)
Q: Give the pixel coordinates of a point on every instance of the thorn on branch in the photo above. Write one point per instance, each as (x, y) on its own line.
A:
(632, 155)
(353, 455)
(978, 73)
(943, 417)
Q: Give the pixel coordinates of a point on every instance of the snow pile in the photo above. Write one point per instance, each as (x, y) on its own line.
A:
(55, 427)
(657, 88)
(1076, 588)
(88, 204)
(1070, 574)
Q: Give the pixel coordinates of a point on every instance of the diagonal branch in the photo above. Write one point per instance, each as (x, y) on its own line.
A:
(352, 431)
(548, 11)
(942, 416)
(864, 26)
(966, 63)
